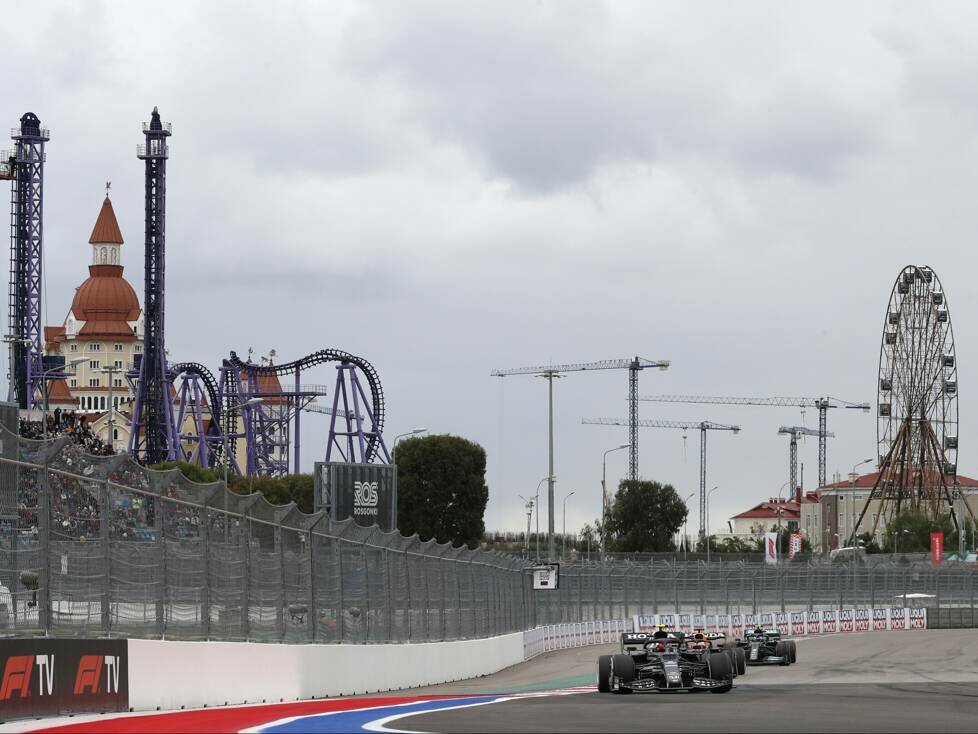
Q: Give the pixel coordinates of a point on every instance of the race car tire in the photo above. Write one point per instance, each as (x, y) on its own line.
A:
(792, 651)
(719, 666)
(729, 652)
(604, 674)
(741, 656)
(781, 650)
(623, 667)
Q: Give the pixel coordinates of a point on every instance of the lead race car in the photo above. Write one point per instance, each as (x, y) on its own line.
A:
(765, 647)
(665, 663)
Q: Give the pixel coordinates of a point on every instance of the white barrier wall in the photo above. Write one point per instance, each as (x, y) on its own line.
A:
(573, 634)
(796, 624)
(169, 675)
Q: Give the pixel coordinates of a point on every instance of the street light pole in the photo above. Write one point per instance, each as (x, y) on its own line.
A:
(537, 499)
(709, 535)
(44, 391)
(604, 493)
(852, 499)
(403, 435)
(529, 515)
(685, 540)
(563, 550)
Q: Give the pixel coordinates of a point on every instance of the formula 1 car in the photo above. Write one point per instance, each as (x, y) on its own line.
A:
(765, 647)
(664, 664)
(738, 656)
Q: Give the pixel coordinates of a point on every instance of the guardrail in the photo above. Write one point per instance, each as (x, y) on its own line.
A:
(796, 623)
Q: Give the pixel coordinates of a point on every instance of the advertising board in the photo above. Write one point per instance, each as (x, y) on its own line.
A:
(365, 492)
(46, 676)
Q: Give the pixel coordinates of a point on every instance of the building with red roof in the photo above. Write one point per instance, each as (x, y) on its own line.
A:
(103, 328)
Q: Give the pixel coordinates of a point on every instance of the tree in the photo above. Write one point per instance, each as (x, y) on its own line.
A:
(644, 517)
(909, 532)
(441, 489)
(296, 488)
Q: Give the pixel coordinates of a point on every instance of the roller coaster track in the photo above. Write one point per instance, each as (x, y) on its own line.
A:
(325, 356)
(207, 377)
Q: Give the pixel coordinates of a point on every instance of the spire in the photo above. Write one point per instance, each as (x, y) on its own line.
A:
(106, 231)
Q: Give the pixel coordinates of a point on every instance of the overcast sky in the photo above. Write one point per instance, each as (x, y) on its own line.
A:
(446, 188)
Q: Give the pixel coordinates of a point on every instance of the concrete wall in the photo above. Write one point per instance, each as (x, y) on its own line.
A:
(167, 674)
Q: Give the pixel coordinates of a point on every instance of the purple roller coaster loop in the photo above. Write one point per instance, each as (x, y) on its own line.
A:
(354, 420)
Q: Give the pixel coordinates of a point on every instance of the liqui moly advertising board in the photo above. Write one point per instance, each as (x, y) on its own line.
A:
(898, 618)
(797, 623)
(830, 621)
(862, 619)
(846, 620)
(781, 619)
(879, 619)
(813, 622)
(737, 625)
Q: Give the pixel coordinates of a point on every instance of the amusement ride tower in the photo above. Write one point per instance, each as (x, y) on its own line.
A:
(26, 245)
(153, 437)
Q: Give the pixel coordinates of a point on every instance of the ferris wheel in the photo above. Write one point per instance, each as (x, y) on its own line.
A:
(917, 428)
(918, 373)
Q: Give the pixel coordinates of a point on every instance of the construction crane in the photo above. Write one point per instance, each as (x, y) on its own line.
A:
(822, 404)
(549, 372)
(701, 426)
(795, 432)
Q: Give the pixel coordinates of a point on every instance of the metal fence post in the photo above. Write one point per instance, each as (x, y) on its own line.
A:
(340, 601)
(365, 613)
(44, 540)
(103, 533)
(244, 538)
(205, 544)
(280, 623)
(782, 573)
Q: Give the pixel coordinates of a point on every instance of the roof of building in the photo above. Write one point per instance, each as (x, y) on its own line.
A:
(105, 296)
(106, 230)
(51, 333)
(868, 481)
(770, 510)
(60, 394)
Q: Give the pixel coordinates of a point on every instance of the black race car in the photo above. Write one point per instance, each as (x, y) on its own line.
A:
(765, 647)
(664, 664)
(738, 656)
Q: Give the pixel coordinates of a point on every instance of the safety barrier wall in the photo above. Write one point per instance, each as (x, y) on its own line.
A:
(573, 634)
(794, 624)
(173, 674)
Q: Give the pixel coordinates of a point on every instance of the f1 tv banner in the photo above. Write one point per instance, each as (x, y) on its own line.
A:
(45, 677)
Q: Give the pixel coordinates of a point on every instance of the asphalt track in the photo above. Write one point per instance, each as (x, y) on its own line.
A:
(877, 681)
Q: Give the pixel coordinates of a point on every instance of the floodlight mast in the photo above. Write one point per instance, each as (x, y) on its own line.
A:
(822, 404)
(701, 426)
(549, 372)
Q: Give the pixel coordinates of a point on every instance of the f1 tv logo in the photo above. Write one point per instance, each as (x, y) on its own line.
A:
(17, 676)
(17, 670)
(89, 675)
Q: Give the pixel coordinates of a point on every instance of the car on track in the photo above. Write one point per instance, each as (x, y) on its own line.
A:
(664, 664)
(765, 647)
(738, 655)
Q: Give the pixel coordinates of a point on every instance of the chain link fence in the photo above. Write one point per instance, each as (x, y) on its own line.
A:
(100, 546)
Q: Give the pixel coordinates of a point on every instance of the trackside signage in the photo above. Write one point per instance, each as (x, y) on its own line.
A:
(365, 492)
(43, 677)
(797, 624)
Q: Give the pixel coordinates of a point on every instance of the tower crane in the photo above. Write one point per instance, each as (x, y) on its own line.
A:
(549, 372)
(702, 426)
(822, 404)
(795, 432)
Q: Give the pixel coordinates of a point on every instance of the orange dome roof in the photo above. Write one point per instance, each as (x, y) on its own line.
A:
(105, 296)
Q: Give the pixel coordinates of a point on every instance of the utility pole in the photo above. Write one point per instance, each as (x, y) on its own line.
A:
(702, 426)
(549, 372)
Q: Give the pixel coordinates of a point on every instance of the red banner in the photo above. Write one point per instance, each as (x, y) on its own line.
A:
(794, 545)
(937, 548)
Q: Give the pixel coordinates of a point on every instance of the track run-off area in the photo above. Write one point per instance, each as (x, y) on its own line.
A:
(902, 681)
